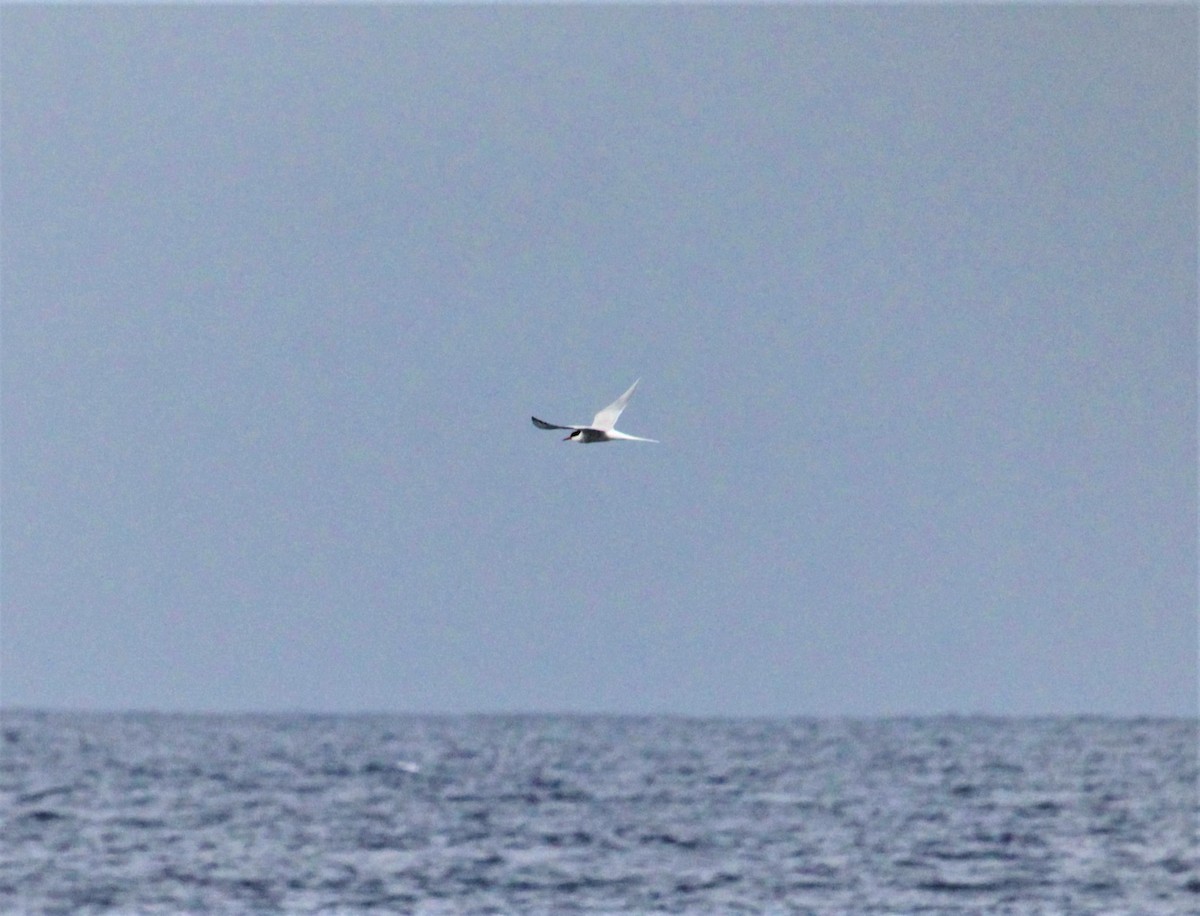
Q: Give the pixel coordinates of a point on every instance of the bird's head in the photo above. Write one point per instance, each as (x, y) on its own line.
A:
(576, 436)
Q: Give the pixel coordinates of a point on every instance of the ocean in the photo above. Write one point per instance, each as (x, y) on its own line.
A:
(155, 813)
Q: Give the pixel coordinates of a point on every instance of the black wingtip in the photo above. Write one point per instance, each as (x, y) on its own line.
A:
(542, 424)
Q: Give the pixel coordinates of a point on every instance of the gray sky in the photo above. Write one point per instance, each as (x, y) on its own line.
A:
(912, 292)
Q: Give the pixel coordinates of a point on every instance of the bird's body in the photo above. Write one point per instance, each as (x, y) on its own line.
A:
(603, 427)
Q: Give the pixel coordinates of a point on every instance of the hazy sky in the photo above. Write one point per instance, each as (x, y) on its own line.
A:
(911, 291)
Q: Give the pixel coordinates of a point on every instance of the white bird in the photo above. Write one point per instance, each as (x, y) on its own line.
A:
(603, 425)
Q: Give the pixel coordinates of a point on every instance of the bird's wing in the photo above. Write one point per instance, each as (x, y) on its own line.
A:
(542, 424)
(607, 418)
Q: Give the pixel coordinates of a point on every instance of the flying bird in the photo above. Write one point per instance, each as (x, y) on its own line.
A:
(602, 428)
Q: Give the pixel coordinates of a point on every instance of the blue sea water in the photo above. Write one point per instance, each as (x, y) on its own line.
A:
(150, 813)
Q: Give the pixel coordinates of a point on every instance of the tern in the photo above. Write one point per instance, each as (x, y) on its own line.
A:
(602, 428)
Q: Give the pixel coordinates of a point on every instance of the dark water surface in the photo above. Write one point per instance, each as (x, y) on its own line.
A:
(142, 813)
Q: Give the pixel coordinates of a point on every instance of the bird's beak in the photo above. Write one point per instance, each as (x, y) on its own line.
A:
(567, 438)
